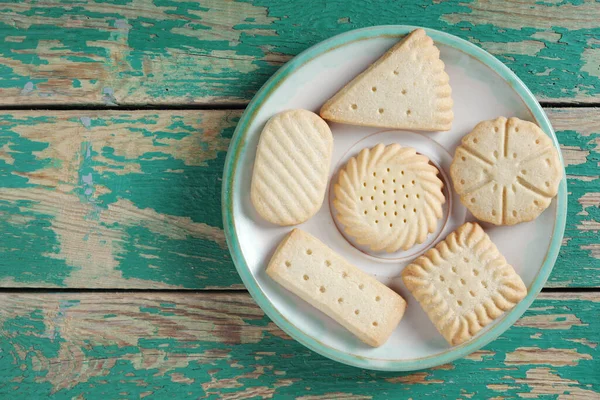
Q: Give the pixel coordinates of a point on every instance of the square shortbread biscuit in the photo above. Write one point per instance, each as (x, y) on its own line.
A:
(464, 283)
(311, 270)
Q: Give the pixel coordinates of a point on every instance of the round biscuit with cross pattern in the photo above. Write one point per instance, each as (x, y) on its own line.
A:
(506, 171)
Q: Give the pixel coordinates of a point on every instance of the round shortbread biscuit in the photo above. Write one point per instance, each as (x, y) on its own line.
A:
(389, 197)
(506, 171)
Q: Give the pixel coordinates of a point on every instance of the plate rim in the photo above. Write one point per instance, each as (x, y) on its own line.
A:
(237, 148)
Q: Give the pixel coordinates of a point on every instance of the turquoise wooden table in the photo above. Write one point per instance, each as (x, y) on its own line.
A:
(115, 279)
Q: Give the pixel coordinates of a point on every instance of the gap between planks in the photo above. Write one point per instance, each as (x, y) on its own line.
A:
(202, 107)
(128, 107)
(212, 291)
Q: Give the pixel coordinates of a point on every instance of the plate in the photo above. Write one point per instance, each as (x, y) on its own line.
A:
(482, 88)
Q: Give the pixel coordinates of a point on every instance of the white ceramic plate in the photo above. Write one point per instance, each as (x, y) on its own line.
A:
(482, 88)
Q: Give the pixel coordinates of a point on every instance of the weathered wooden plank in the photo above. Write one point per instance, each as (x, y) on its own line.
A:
(132, 199)
(174, 51)
(578, 131)
(215, 345)
(109, 199)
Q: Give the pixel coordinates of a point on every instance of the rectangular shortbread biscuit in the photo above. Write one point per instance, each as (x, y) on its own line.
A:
(308, 268)
(464, 283)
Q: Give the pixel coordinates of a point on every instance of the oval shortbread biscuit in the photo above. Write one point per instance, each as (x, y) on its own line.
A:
(389, 197)
(291, 168)
(464, 283)
(506, 171)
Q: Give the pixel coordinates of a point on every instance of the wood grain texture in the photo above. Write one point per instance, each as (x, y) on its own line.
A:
(578, 131)
(110, 199)
(105, 199)
(183, 52)
(215, 345)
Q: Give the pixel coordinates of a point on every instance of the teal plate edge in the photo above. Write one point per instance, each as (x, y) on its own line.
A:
(237, 148)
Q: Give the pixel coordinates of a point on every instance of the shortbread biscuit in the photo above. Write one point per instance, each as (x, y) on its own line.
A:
(407, 88)
(292, 167)
(389, 197)
(464, 283)
(506, 171)
(315, 273)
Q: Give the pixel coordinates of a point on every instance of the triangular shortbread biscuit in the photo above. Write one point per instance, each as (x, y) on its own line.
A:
(407, 88)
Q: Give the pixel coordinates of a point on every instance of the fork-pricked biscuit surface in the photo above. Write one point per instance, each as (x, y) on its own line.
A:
(292, 167)
(464, 283)
(506, 171)
(308, 268)
(389, 197)
(407, 88)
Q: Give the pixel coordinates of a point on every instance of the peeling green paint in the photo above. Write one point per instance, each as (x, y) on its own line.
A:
(186, 52)
(212, 361)
(183, 52)
(174, 176)
(172, 185)
(577, 254)
(23, 228)
(189, 263)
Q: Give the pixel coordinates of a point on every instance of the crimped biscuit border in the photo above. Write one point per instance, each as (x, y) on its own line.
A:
(358, 168)
(417, 278)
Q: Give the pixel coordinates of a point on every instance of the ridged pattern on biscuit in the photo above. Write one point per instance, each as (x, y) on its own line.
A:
(292, 167)
(389, 197)
(464, 283)
(407, 88)
(506, 171)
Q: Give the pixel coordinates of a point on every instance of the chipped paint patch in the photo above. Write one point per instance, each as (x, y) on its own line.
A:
(420, 378)
(536, 336)
(547, 36)
(86, 122)
(480, 355)
(550, 321)
(591, 61)
(501, 387)
(544, 381)
(28, 88)
(108, 96)
(584, 342)
(526, 47)
(5, 154)
(550, 356)
(574, 156)
(14, 39)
